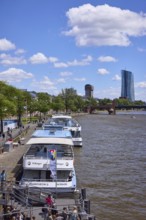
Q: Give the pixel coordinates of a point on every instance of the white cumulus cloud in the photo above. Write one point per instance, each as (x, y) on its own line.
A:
(44, 85)
(38, 58)
(15, 75)
(106, 59)
(116, 77)
(102, 71)
(61, 80)
(60, 65)
(65, 74)
(20, 51)
(6, 45)
(52, 59)
(104, 25)
(85, 61)
(6, 59)
(141, 84)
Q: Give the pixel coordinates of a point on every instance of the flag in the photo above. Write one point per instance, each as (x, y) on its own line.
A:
(53, 164)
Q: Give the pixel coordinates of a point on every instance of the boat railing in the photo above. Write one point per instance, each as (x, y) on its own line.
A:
(65, 157)
(43, 180)
(41, 155)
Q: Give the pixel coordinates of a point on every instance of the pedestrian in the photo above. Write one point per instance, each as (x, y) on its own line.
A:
(69, 177)
(74, 215)
(3, 178)
(50, 216)
(54, 211)
(64, 214)
(3, 135)
(49, 200)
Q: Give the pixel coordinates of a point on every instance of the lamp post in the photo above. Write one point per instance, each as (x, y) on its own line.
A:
(26, 110)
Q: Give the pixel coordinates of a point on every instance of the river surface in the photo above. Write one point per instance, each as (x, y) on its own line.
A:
(111, 165)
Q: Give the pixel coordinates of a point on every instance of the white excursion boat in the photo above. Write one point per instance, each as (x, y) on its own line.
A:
(67, 123)
(49, 162)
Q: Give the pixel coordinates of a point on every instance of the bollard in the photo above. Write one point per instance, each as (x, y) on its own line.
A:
(87, 206)
(83, 193)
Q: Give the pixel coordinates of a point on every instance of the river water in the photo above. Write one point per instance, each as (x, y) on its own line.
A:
(111, 165)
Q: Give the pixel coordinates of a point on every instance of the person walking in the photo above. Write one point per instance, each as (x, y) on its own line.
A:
(64, 214)
(3, 135)
(74, 215)
(3, 178)
(49, 200)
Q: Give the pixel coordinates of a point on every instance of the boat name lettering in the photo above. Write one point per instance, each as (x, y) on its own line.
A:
(62, 164)
(61, 184)
(40, 184)
(37, 163)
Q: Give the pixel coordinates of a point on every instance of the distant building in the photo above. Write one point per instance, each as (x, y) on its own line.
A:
(33, 94)
(127, 88)
(89, 91)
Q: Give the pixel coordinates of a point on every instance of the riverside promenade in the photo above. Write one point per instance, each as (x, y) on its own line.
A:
(11, 162)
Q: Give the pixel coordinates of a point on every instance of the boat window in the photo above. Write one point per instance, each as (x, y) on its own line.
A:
(76, 134)
(45, 150)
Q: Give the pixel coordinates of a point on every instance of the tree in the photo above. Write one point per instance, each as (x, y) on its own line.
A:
(90, 104)
(122, 102)
(7, 102)
(58, 103)
(105, 101)
(139, 102)
(43, 103)
(20, 102)
(69, 96)
(79, 103)
(32, 106)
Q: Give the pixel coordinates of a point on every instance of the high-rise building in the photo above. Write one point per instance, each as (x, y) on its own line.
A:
(89, 91)
(127, 88)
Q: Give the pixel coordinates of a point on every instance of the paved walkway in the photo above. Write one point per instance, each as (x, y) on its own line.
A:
(10, 161)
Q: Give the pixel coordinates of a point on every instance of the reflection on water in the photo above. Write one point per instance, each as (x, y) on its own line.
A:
(124, 112)
(111, 165)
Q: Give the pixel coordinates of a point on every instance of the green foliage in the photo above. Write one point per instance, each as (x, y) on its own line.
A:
(105, 101)
(139, 102)
(43, 102)
(17, 102)
(58, 103)
(7, 107)
(69, 97)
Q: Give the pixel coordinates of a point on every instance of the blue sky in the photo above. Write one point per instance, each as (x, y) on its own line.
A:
(50, 45)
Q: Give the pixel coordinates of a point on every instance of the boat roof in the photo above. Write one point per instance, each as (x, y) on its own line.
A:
(52, 133)
(61, 116)
(44, 140)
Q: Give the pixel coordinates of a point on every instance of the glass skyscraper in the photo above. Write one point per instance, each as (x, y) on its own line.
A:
(127, 89)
